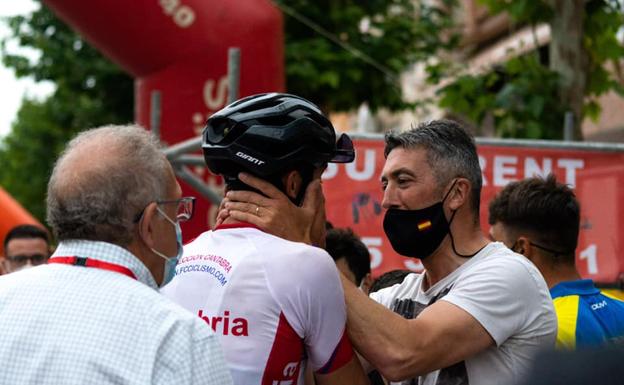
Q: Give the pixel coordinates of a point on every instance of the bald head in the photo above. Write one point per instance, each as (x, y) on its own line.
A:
(103, 179)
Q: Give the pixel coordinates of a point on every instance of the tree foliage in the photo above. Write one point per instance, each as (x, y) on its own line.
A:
(525, 96)
(520, 95)
(604, 20)
(90, 91)
(378, 40)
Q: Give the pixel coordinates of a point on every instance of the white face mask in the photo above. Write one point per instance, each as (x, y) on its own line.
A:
(170, 262)
(23, 267)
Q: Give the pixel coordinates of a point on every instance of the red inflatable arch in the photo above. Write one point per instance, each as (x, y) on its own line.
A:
(179, 48)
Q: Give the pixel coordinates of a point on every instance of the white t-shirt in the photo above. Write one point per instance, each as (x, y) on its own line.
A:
(506, 294)
(274, 304)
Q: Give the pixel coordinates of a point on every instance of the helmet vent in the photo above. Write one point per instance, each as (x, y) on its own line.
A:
(260, 105)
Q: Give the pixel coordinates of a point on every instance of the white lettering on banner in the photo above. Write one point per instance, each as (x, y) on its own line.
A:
(373, 244)
(506, 169)
(183, 15)
(169, 6)
(531, 167)
(570, 166)
(330, 172)
(482, 165)
(502, 173)
(591, 255)
(414, 264)
(369, 167)
(285, 382)
(215, 101)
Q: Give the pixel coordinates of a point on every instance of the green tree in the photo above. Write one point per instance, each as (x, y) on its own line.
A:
(343, 53)
(90, 91)
(527, 97)
(521, 96)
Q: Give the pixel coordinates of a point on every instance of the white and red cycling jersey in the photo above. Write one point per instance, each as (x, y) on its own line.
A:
(276, 305)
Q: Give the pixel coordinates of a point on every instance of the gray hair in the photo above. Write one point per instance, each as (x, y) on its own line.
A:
(103, 179)
(451, 153)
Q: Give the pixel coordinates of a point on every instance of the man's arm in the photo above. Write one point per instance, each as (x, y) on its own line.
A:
(440, 336)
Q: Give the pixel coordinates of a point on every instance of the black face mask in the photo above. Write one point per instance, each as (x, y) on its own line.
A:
(417, 233)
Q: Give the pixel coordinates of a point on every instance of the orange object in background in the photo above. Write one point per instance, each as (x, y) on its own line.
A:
(12, 214)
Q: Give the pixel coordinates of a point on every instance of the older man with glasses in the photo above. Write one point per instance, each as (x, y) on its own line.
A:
(93, 314)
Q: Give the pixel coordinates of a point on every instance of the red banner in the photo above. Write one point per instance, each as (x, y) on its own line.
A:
(353, 195)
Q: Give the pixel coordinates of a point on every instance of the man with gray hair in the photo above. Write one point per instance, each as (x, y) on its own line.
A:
(479, 312)
(93, 314)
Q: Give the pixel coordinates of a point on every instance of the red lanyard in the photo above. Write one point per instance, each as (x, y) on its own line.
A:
(87, 262)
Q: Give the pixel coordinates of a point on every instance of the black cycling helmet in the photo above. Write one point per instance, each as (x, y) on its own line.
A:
(268, 134)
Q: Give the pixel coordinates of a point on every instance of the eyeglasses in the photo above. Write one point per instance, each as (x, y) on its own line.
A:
(548, 250)
(184, 211)
(21, 259)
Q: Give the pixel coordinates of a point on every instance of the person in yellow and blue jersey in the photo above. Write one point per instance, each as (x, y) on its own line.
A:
(586, 316)
(539, 218)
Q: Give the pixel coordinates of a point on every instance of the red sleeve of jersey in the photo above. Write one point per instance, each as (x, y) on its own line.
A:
(283, 363)
(341, 356)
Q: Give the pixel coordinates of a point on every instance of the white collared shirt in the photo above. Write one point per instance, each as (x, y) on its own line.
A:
(64, 324)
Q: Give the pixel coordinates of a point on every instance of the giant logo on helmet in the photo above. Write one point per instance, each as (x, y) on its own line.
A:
(250, 158)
